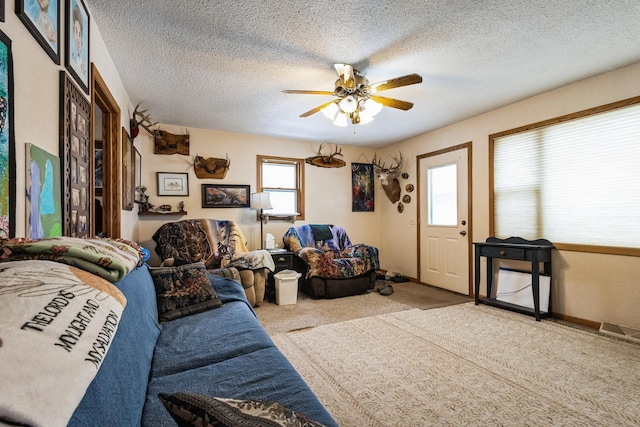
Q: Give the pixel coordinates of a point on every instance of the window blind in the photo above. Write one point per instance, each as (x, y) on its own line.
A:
(574, 182)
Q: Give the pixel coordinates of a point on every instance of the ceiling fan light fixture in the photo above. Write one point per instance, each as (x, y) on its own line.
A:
(331, 111)
(348, 104)
(341, 120)
(372, 107)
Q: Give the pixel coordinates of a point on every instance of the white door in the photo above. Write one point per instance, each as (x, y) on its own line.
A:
(443, 219)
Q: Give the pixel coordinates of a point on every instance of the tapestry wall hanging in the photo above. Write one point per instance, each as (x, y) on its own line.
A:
(44, 201)
(362, 188)
(7, 142)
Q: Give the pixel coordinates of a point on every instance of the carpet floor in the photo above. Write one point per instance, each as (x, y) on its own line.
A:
(466, 365)
(309, 312)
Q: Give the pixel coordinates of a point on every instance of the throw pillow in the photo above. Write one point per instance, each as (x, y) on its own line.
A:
(183, 290)
(190, 409)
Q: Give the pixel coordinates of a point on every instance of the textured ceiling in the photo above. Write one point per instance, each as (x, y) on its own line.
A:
(223, 64)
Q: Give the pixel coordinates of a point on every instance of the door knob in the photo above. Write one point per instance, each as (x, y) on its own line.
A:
(463, 233)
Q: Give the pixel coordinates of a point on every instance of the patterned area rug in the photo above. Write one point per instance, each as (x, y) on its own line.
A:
(467, 365)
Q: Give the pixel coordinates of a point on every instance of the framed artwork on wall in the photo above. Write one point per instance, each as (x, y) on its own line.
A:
(77, 42)
(42, 19)
(225, 196)
(137, 179)
(44, 200)
(173, 184)
(75, 159)
(128, 171)
(362, 188)
(97, 167)
(1, 10)
(7, 142)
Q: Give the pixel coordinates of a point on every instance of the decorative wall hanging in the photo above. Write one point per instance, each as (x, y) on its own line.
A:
(97, 165)
(44, 198)
(225, 196)
(7, 142)
(329, 161)
(406, 199)
(1, 10)
(42, 19)
(77, 42)
(169, 143)
(137, 179)
(173, 184)
(409, 188)
(388, 176)
(75, 156)
(362, 188)
(211, 167)
(128, 171)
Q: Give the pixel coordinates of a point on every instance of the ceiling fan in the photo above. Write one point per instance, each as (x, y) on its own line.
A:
(356, 100)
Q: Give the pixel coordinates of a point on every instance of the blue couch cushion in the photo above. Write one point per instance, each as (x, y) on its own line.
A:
(117, 394)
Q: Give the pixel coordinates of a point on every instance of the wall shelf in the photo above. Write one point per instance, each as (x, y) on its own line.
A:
(154, 213)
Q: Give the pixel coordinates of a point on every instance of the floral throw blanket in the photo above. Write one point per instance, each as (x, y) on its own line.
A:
(57, 323)
(110, 259)
(331, 258)
(217, 243)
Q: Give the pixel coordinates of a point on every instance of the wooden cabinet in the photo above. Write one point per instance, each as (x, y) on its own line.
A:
(514, 248)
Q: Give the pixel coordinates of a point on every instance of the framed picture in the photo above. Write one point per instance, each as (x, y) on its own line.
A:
(173, 184)
(1, 10)
(225, 196)
(7, 142)
(362, 188)
(97, 164)
(42, 19)
(137, 179)
(77, 42)
(44, 201)
(76, 160)
(128, 171)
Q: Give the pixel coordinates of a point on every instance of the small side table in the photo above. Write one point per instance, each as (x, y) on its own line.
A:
(516, 248)
(283, 260)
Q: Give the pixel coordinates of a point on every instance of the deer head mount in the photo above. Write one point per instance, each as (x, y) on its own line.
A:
(211, 167)
(388, 176)
(325, 161)
(140, 118)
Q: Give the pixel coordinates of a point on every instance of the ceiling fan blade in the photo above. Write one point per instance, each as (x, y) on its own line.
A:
(409, 79)
(393, 103)
(309, 92)
(315, 110)
(345, 71)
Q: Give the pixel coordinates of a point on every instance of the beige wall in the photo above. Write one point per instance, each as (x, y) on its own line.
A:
(586, 286)
(327, 190)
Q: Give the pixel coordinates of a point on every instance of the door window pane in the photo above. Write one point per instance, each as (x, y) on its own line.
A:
(443, 195)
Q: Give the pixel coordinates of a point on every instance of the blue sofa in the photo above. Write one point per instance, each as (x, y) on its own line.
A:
(223, 352)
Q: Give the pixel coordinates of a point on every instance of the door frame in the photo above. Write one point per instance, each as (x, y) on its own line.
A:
(102, 98)
(468, 147)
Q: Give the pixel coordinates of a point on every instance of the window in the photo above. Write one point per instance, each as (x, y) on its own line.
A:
(574, 180)
(282, 178)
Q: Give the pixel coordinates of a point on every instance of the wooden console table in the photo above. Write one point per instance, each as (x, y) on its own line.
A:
(514, 248)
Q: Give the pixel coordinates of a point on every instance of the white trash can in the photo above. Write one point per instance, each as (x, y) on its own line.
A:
(287, 287)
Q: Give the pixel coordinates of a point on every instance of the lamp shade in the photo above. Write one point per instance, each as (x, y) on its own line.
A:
(260, 201)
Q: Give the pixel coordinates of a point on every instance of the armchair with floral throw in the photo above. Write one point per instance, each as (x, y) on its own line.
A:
(221, 245)
(335, 267)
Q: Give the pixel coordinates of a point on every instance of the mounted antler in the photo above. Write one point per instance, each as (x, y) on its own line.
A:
(329, 161)
(211, 167)
(141, 118)
(389, 176)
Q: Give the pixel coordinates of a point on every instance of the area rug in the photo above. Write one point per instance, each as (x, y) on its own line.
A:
(467, 365)
(309, 312)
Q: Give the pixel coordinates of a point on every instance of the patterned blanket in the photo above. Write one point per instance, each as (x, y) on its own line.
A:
(57, 323)
(217, 243)
(110, 259)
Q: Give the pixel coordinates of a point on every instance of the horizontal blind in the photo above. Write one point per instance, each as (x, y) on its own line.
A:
(573, 182)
